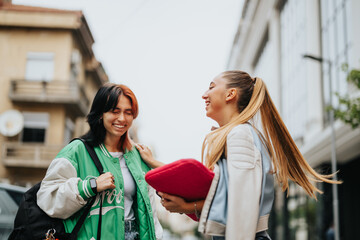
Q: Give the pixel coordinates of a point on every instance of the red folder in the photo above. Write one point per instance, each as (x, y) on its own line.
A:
(186, 178)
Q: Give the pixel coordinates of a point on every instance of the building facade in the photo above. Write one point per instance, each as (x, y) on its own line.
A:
(48, 74)
(271, 40)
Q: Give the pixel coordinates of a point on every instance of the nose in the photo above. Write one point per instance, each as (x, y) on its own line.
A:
(121, 117)
(205, 95)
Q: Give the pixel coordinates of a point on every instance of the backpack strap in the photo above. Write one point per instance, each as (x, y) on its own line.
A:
(100, 216)
(87, 208)
(81, 220)
(93, 155)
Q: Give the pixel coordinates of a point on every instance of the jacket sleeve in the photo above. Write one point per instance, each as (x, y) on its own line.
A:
(244, 189)
(157, 225)
(59, 195)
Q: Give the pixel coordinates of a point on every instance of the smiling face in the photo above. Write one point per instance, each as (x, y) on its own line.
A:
(215, 98)
(118, 120)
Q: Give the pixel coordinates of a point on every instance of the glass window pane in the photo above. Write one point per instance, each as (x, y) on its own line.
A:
(293, 33)
(335, 47)
(39, 66)
(33, 135)
(35, 125)
(340, 25)
(36, 120)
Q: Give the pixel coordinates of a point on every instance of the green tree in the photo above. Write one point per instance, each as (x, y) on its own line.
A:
(349, 107)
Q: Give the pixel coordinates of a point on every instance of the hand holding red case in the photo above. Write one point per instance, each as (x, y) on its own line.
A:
(186, 178)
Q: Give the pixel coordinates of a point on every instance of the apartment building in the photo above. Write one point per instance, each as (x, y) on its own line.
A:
(271, 40)
(48, 76)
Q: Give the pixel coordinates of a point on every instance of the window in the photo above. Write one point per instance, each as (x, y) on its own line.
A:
(335, 46)
(35, 125)
(39, 66)
(69, 130)
(293, 71)
(33, 135)
(75, 64)
(265, 66)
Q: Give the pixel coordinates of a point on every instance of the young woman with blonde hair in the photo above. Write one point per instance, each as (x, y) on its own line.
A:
(244, 160)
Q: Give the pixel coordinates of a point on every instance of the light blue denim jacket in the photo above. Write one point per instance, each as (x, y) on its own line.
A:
(230, 208)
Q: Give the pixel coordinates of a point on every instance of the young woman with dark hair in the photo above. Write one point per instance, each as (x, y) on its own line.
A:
(128, 210)
(244, 160)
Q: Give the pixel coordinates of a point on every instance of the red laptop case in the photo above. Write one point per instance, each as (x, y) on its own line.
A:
(186, 178)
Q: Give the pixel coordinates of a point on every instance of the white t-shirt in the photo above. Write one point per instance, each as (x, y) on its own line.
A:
(129, 186)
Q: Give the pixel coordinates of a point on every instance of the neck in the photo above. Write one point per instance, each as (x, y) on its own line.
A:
(227, 116)
(112, 144)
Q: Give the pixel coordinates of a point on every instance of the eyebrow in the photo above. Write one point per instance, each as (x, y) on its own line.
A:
(126, 109)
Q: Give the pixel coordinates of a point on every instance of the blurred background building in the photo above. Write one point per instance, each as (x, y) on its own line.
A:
(272, 38)
(49, 76)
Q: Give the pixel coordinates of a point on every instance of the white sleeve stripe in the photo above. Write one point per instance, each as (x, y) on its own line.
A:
(85, 189)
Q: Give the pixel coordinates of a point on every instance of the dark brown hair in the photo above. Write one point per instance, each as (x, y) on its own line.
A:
(106, 99)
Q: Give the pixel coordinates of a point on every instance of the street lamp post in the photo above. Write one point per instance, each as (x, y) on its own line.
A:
(333, 149)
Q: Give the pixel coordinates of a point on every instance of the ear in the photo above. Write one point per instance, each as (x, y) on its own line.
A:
(231, 94)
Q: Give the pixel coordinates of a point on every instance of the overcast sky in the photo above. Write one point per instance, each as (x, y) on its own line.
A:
(167, 52)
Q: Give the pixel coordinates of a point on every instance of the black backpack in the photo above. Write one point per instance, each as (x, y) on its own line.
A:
(32, 223)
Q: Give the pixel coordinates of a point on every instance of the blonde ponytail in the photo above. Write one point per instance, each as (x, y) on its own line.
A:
(287, 160)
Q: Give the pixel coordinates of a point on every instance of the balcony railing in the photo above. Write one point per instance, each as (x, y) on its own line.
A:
(62, 92)
(14, 154)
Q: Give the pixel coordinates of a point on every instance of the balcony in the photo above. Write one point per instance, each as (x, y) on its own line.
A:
(30, 155)
(59, 92)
